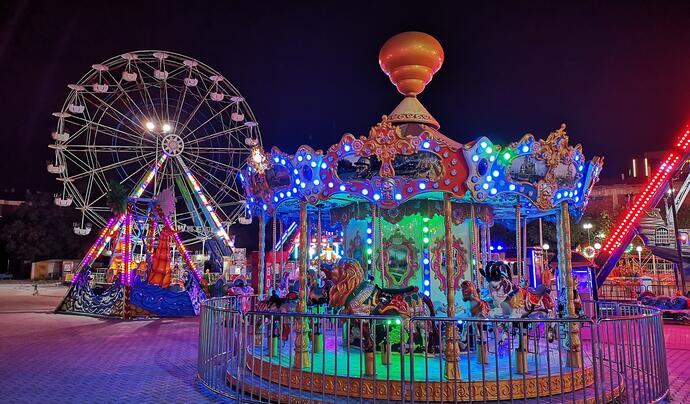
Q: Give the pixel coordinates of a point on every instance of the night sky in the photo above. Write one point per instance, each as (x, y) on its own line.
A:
(617, 73)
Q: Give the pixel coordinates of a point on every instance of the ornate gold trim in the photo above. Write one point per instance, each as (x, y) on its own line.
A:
(367, 388)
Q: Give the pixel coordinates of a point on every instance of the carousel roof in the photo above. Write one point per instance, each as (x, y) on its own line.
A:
(405, 157)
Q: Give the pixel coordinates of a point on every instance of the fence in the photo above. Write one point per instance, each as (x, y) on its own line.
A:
(614, 353)
(630, 291)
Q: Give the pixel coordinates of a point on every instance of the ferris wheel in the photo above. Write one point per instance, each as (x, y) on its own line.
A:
(158, 118)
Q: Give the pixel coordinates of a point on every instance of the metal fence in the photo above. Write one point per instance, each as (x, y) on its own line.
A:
(629, 291)
(253, 356)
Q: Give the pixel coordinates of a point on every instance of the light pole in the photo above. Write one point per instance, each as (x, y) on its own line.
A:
(639, 256)
(588, 227)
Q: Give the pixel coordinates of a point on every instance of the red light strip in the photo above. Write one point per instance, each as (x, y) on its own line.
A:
(642, 201)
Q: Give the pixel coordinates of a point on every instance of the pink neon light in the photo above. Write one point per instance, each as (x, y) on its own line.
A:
(642, 201)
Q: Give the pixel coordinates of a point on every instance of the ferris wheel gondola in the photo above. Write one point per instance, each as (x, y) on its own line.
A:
(126, 113)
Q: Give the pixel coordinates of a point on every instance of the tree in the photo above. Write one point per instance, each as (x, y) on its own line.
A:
(39, 230)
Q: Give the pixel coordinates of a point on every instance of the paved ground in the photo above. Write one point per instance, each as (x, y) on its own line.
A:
(49, 358)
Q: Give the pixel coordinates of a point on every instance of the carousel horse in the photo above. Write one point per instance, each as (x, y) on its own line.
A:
(478, 308)
(514, 301)
(351, 293)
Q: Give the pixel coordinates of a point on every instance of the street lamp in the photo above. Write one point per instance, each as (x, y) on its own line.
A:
(546, 247)
(588, 227)
(639, 255)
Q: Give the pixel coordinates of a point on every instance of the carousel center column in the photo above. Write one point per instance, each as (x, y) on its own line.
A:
(301, 327)
(565, 269)
(452, 347)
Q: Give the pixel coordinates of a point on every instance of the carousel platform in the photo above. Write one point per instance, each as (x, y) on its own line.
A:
(336, 375)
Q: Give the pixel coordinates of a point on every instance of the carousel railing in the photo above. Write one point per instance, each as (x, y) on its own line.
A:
(251, 356)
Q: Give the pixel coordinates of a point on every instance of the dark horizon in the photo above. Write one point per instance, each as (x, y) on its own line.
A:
(616, 73)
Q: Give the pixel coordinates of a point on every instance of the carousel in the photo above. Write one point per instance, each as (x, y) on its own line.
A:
(411, 212)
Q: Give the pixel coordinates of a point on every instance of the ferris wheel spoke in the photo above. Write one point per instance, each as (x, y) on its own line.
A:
(125, 93)
(217, 134)
(111, 166)
(85, 148)
(212, 117)
(119, 116)
(145, 94)
(195, 110)
(106, 130)
(213, 164)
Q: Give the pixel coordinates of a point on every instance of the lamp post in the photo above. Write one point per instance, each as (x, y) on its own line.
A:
(639, 255)
(588, 227)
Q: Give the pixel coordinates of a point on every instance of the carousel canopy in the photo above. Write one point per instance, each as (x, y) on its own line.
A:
(405, 157)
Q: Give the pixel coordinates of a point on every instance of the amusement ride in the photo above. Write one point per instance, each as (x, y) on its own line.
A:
(415, 209)
(148, 147)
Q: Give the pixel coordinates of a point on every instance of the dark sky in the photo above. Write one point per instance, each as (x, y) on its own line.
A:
(617, 72)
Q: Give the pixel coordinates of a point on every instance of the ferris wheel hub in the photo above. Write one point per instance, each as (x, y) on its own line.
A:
(173, 145)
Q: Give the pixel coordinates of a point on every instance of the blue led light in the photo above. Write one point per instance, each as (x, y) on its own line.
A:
(580, 168)
(265, 206)
(525, 149)
(558, 195)
(426, 144)
(282, 161)
(368, 230)
(282, 195)
(492, 158)
(426, 293)
(485, 186)
(422, 185)
(499, 248)
(323, 166)
(294, 190)
(398, 197)
(276, 159)
(365, 191)
(511, 187)
(493, 191)
(475, 158)
(275, 199)
(426, 282)
(313, 164)
(308, 156)
(316, 182)
(577, 199)
(330, 185)
(346, 147)
(426, 261)
(342, 187)
(483, 145)
(241, 177)
(289, 194)
(299, 158)
(495, 173)
(579, 185)
(368, 241)
(297, 181)
(377, 197)
(295, 171)
(303, 185)
(489, 178)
